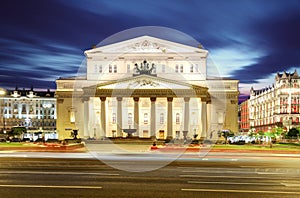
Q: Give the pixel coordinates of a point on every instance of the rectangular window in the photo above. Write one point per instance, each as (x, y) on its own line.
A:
(110, 69)
(176, 68)
(115, 69)
(100, 68)
(128, 68)
(161, 118)
(145, 118)
(192, 69)
(163, 68)
(181, 68)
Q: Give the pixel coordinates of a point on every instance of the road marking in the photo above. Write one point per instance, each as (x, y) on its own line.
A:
(236, 183)
(42, 186)
(57, 173)
(239, 191)
(213, 171)
(220, 176)
(291, 185)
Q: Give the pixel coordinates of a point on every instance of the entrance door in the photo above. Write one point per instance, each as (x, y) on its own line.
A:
(145, 133)
(161, 134)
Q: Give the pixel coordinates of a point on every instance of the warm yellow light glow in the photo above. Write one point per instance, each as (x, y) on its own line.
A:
(2, 92)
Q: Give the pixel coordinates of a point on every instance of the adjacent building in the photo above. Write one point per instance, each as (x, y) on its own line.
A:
(35, 110)
(146, 87)
(276, 105)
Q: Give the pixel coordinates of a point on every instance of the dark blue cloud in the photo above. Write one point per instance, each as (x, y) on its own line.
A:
(248, 40)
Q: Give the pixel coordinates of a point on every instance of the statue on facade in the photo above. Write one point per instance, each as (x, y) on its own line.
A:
(144, 68)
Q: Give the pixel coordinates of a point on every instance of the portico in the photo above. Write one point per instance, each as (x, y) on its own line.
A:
(154, 92)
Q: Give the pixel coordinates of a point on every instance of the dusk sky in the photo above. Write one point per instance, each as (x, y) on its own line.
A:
(42, 40)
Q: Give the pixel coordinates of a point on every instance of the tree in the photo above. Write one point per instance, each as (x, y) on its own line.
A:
(17, 131)
(293, 132)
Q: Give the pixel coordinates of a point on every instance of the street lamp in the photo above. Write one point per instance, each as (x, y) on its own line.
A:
(3, 93)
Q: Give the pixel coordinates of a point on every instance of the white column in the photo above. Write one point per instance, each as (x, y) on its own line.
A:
(119, 117)
(186, 113)
(170, 119)
(136, 115)
(203, 118)
(103, 118)
(153, 118)
(86, 117)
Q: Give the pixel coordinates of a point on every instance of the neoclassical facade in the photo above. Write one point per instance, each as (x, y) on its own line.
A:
(147, 87)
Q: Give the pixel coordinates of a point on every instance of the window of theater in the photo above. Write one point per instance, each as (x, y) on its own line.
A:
(176, 68)
(163, 68)
(128, 68)
(177, 118)
(115, 69)
(110, 69)
(161, 118)
(146, 118)
(129, 118)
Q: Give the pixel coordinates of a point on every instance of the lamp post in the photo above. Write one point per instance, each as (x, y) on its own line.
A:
(2, 93)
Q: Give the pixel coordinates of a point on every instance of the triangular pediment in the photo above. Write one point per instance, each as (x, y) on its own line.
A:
(146, 86)
(144, 44)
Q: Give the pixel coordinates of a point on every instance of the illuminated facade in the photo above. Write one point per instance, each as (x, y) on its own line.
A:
(244, 116)
(277, 105)
(152, 87)
(35, 110)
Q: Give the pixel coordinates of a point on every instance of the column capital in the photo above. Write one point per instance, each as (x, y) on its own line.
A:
(170, 99)
(85, 99)
(102, 98)
(186, 99)
(136, 99)
(119, 98)
(153, 99)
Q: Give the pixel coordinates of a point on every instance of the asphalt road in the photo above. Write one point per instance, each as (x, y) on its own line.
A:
(36, 176)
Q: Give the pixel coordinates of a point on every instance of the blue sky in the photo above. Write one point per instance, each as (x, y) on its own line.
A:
(247, 40)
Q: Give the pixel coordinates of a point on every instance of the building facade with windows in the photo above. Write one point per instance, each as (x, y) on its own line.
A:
(149, 87)
(244, 116)
(277, 105)
(35, 110)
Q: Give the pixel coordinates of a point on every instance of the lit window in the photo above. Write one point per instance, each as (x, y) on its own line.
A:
(129, 118)
(177, 118)
(145, 118)
(161, 118)
(114, 118)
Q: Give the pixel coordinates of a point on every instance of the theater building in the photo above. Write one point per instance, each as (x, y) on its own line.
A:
(146, 87)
